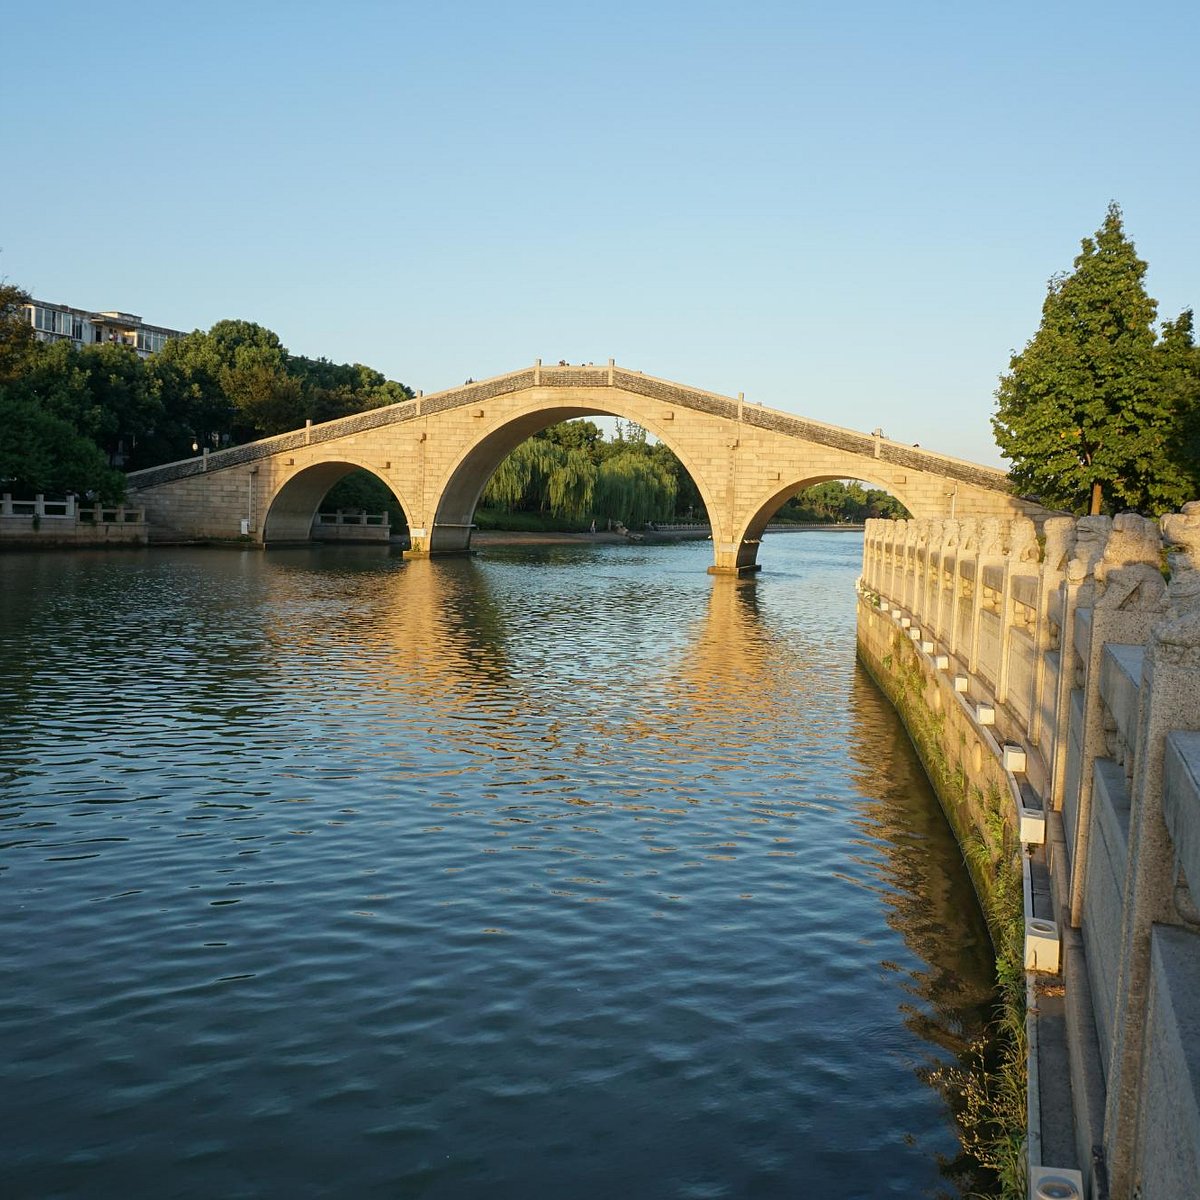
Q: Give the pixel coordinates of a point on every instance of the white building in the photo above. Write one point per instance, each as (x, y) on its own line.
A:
(56, 322)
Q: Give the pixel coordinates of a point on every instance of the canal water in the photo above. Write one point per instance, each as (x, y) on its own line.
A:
(558, 872)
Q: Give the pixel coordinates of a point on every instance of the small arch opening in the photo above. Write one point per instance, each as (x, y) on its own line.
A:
(335, 502)
(817, 503)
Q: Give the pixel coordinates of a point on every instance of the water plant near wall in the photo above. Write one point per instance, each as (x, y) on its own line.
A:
(987, 1091)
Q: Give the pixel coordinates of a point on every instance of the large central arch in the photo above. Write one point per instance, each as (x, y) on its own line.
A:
(469, 474)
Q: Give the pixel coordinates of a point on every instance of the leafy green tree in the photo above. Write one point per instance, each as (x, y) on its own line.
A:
(44, 454)
(884, 504)
(1081, 414)
(837, 500)
(237, 382)
(234, 382)
(332, 390)
(569, 471)
(576, 435)
(124, 403)
(16, 334)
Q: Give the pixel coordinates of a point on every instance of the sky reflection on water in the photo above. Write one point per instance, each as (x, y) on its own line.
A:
(559, 872)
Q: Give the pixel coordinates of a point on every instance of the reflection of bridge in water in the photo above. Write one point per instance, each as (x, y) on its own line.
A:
(436, 453)
(441, 636)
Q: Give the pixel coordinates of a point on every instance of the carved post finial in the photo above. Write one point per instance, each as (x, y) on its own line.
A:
(1128, 574)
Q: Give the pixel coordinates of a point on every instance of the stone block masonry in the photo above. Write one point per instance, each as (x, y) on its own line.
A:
(436, 453)
(1062, 672)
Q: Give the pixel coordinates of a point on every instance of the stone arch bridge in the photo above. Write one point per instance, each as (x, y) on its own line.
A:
(436, 453)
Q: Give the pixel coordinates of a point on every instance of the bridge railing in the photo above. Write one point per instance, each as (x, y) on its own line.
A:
(876, 446)
(351, 517)
(67, 521)
(1074, 662)
(39, 507)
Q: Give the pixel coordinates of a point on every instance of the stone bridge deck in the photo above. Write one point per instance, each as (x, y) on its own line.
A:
(437, 452)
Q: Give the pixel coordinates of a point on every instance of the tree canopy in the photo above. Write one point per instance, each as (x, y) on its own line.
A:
(1092, 413)
(839, 501)
(570, 471)
(76, 417)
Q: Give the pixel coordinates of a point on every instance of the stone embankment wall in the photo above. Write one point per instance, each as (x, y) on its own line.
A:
(1052, 682)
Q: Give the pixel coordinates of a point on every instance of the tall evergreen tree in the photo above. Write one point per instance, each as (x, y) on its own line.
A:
(1081, 414)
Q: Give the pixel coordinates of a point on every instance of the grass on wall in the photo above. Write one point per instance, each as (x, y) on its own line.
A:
(987, 1090)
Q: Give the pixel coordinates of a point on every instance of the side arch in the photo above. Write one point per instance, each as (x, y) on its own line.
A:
(760, 516)
(290, 509)
(463, 484)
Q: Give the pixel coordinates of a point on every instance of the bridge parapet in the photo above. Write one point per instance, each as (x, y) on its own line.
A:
(437, 452)
(1068, 674)
(574, 377)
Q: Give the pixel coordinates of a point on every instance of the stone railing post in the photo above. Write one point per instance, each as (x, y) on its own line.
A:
(1128, 600)
(1170, 701)
(883, 535)
(930, 578)
(1049, 637)
(876, 563)
(918, 532)
(965, 569)
(895, 558)
(986, 555)
(947, 593)
(1021, 562)
(911, 566)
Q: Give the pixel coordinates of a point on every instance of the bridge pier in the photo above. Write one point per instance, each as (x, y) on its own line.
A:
(735, 558)
(427, 554)
(735, 571)
(445, 539)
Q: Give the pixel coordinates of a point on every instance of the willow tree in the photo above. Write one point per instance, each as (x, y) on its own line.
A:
(572, 484)
(1080, 414)
(634, 488)
(522, 474)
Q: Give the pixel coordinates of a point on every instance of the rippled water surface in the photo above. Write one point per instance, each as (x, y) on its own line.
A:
(567, 872)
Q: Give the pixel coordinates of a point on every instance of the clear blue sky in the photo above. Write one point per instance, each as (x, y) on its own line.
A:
(846, 211)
